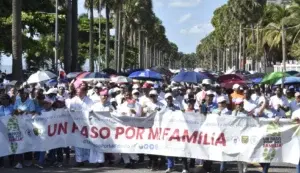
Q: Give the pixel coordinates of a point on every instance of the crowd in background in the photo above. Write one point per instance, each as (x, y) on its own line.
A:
(139, 99)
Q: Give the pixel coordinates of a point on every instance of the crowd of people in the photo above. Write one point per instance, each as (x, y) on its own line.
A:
(139, 100)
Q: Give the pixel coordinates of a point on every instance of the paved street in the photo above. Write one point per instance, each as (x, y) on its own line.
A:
(140, 168)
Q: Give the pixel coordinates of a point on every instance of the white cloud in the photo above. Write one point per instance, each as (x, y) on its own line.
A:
(184, 18)
(184, 3)
(203, 28)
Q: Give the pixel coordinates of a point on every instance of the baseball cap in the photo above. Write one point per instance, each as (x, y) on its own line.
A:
(221, 99)
(235, 86)
(136, 86)
(153, 92)
(210, 92)
(135, 91)
(51, 91)
(206, 82)
(168, 95)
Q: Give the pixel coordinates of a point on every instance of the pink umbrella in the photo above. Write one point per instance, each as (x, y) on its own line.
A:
(229, 83)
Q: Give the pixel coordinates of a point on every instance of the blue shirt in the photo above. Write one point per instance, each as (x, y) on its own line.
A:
(6, 110)
(208, 108)
(27, 106)
(38, 108)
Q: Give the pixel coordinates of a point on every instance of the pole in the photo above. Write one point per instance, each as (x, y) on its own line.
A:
(56, 37)
(99, 50)
(283, 52)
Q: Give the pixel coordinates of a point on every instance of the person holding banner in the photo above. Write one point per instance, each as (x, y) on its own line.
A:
(222, 107)
(6, 109)
(81, 102)
(24, 105)
(133, 109)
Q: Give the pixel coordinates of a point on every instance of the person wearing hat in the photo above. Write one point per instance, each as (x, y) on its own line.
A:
(295, 104)
(249, 104)
(222, 107)
(237, 94)
(62, 93)
(95, 93)
(136, 95)
(200, 96)
(219, 93)
(129, 108)
(51, 94)
(207, 105)
(119, 95)
(103, 105)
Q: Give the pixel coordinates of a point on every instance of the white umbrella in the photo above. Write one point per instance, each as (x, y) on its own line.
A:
(40, 76)
(121, 79)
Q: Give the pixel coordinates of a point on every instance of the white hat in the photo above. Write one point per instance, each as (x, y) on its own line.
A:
(150, 82)
(235, 86)
(221, 99)
(51, 91)
(188, 91)
(210, 92)
(238, 101)
(136, 86)
(174, 88)
(135, 91)
(99, 85)
(168, 95)
(153, 92)
(116, 89)
(206, 81)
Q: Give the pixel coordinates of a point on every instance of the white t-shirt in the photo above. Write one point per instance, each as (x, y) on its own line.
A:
(294, 106)
(102, 107)
(224, 95)
(95, 98)
(144, 100)
(249, 105)
(78, 104)
(123, 109)
(275, 101)
(153, 107)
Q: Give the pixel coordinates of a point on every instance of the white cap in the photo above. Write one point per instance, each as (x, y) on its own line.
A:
(99, 85)
(168, 95)
(51, 91)
(221, 99)
(174, 88)
(206, 81)
(136, 86)
(153, 92)
(235, 86)
(210, 92)
(116, 89)
(150, 82)
(135, 91)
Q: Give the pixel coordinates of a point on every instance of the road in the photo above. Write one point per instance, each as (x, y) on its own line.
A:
(140, 168)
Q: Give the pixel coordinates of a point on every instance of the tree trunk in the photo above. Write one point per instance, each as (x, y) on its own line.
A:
(146, 53)
(240, 46)
(224, 60)
(141, 53)
(117, 18)
(120, 38)
(91, 39)
(17, 69)
(244, 51)
(232, 56)
(107, 47)
(99, 36)
(74, 64)
(212, 60)
(218, 59)
(68, 38)
(253, 42)
(124, 44)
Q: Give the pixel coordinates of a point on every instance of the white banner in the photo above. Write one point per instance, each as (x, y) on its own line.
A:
(170, 133)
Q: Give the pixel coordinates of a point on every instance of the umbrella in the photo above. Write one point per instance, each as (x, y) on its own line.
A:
(11, 83)
(255, 75)
(273, 77)
(146, 75)
(228, 77)
(98, 76)
(73, 75)
(82, 75)
(189, 77)
(289, 80)
(292, 72)
(162, 70)
(109, 71)
(40, 76)
(121, 79)
(209, 75)
(229, 83)
(257, 80)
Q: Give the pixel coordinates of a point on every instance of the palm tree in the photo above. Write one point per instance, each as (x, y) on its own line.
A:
(91, 33)
(74, 66)
(16, 40)
(68, 38)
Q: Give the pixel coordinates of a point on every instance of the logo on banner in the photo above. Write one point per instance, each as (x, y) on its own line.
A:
(148, 146)
(33, 132)
(245, 139)
(272, 141)
(14, 133)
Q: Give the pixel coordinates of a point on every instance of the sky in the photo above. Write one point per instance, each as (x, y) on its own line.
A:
(186, 21)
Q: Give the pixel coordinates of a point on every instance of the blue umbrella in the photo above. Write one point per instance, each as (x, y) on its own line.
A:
(288, 80)
(257, 80)
(146, 75)
(189, 77)
(99, 76)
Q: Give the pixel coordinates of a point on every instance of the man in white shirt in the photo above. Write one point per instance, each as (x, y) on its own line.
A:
(249, 104)
(154, 105)
(218, 93)
(280, 103)
(206, 84)
(295, 104)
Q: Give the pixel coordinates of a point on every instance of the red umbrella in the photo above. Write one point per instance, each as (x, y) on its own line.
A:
(82, 75)
(229, 77)
(229, 83)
